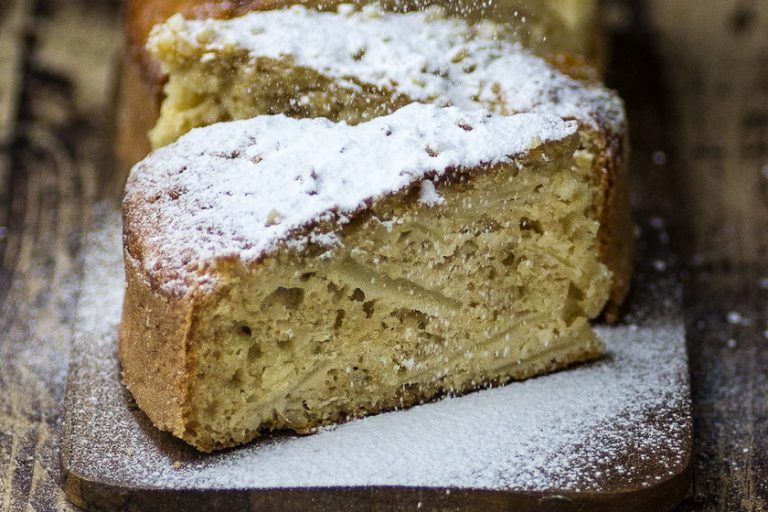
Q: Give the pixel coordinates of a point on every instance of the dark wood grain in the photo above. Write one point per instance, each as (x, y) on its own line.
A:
(51, 165)
(715, 62)
(706, 62)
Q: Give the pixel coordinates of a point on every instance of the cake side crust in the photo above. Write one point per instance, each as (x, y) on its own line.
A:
(138, 109)
(153, 348)
(616, 236)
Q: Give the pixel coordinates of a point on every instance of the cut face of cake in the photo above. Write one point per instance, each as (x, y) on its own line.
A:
(289, 273)
(354, 65)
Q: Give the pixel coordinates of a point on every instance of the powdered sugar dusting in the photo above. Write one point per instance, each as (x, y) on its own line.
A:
(603, 426)
(238, 189)
(429, 195)
(425, 55)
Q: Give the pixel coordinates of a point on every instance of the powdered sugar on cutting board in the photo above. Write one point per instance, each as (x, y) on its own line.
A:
(607, 425)
(424, 55)
(239, 189)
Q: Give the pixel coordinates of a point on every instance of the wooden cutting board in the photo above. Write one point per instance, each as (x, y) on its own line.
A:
(611, 435)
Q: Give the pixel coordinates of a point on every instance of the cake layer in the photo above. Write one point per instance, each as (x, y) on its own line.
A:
(566, 32)
(354, 65)
(551, 27)
(289, 273)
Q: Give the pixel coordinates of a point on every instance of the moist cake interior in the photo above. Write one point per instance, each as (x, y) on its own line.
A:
(474, 280)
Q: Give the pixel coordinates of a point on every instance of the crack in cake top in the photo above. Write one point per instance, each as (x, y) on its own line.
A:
(426, 55)
(240, 189)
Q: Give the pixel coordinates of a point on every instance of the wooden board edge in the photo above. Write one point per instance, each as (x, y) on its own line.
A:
(93, 495)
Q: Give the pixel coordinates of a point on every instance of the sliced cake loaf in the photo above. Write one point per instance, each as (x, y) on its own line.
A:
(288, 273)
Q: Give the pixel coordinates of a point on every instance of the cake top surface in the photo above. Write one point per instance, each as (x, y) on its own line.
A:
(240, 189)
(426, 55)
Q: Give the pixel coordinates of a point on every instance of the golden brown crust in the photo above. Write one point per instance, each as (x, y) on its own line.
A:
(153, 348)
(616, 238)
(616, 235)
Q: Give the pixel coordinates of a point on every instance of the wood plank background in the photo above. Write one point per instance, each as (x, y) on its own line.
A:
(706, 63)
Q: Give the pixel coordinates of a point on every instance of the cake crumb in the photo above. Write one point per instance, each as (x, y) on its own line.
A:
(273, 218)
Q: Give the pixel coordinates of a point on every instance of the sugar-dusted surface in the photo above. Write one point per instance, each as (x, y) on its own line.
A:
(425, 55)
(620, 423)
(238, 189)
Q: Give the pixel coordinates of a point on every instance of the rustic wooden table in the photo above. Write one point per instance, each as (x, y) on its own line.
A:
(696, 78)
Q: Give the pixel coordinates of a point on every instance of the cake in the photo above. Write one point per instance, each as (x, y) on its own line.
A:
(291, 273)
(551, 27)
(564, 31)
(351, 210)
(355, 64)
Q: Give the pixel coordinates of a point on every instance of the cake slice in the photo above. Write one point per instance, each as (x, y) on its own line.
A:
(551, 27)
(289, 273)
(565, 32)
(353, 65)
